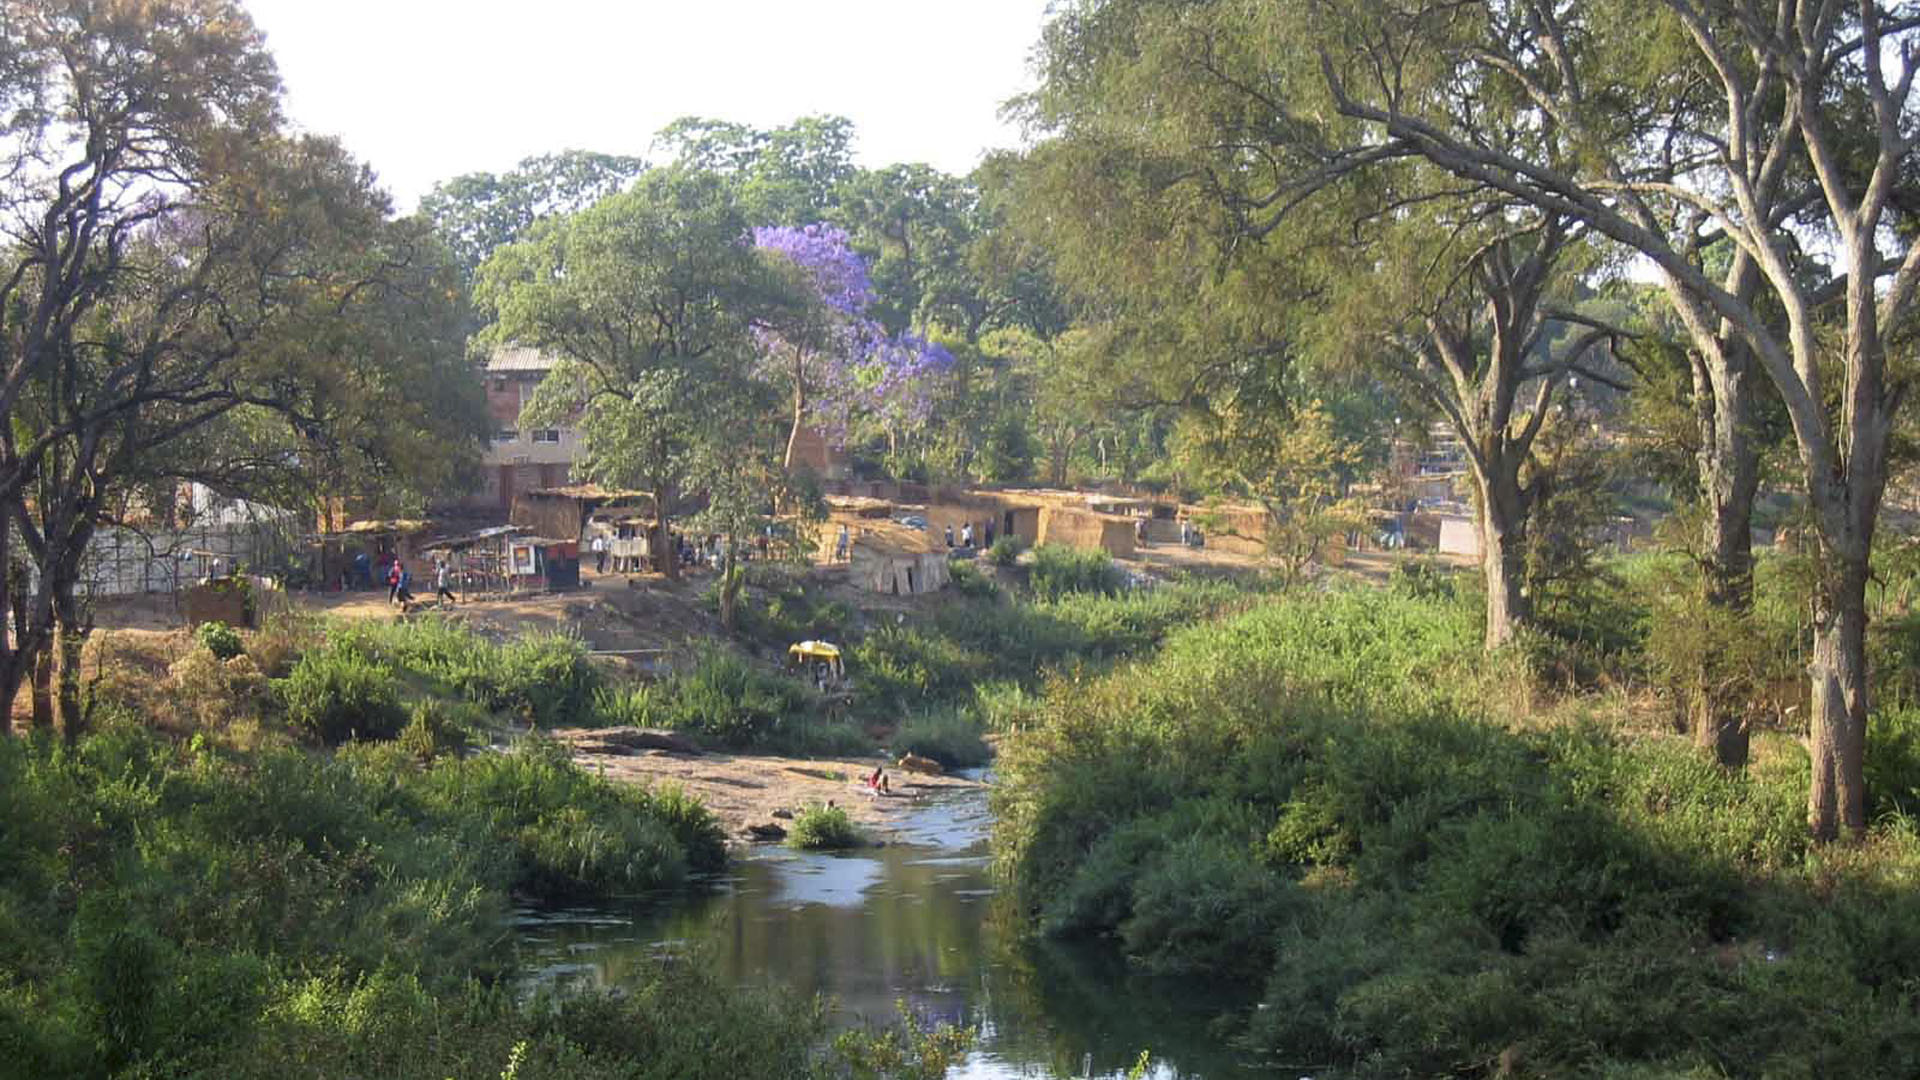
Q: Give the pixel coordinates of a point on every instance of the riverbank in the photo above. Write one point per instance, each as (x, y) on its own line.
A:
(741, 789)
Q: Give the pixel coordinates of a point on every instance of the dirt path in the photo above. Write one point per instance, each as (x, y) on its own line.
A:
(746, 789)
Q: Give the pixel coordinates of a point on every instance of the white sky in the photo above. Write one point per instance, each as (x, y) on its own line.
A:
(424, 90)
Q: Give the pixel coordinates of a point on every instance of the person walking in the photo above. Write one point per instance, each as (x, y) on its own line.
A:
(966, 536)
(599, 554)
(949, 534)
(840, 545)
(393, 582)
(442, 587)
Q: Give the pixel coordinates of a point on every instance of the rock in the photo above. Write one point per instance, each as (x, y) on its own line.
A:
(767, 832)
(783, 814)
(916, 763)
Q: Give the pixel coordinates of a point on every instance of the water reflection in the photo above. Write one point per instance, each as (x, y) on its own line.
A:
(905, 923)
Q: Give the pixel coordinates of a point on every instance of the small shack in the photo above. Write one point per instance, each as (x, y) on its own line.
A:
(1009, 513)
(896, 560)
(1087, 530)
(562, 513)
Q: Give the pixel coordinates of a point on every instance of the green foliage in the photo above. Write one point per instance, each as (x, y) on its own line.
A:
(1893, 761)
(950, 736)
(546, 680)
(912, 1049)
(1004, 552)
(1271, 791)
(967, 580)
(437, 727)
(1059, 571)
(171, 910)
(822, 828)
(221, 640)
(543, 680)
(340, 694)
(727, 699)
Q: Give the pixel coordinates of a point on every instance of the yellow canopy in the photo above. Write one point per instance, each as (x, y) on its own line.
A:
(814, 650)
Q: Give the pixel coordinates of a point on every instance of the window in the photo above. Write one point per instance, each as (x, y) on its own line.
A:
(546, 435)
(505, 435)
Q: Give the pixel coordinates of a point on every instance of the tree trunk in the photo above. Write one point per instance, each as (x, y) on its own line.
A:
(729, 589)
(1503, 509)
(1837, 740)
(1729, 478)
(70, 642)
(669, 553)
(799, 409)
(43, 689)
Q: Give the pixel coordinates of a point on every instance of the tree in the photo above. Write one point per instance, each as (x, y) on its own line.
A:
(1789, 124)
(475, 213)
(839, 362)
(788, 175)
(1292, 461)
(646, 299)
(169, 253)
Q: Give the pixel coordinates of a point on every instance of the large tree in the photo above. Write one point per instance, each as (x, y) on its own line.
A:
(646, 300)
(1784, 130)
(170, 256)
(477, 212)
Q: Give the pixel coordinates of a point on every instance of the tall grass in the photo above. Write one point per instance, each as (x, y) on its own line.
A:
(174, 909)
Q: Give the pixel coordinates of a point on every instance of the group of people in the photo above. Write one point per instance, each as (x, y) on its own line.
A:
(966, 535)
(400, 583)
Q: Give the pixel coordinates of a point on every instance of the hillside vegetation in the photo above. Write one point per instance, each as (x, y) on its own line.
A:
(1338, 803)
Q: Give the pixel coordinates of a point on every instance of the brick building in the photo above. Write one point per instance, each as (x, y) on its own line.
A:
(520, 458)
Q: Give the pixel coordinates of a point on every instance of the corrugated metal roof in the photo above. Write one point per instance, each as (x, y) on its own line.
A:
(519, 358)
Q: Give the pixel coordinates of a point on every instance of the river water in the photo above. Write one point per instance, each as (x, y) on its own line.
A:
(909, 922)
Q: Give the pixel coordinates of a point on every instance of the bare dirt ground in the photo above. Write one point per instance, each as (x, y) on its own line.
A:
(746, 789)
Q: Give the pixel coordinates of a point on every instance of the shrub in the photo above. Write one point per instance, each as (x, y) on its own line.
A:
(437, 727)
(1059, 571)
(546, 680)
(967, 580)
(221, 640)
(726, 699)
(950, 736)
(1266, 795)
(338, 694)
(1004, 552)
(822, 828)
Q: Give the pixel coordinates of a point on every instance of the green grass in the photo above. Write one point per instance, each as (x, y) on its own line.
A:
(951, 736)
(180, 909)
(823, 828)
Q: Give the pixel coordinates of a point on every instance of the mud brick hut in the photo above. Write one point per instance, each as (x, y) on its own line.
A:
(1087, 530)
(895, 560)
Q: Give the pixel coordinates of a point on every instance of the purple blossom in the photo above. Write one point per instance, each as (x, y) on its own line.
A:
(827, 256)
(850, 367)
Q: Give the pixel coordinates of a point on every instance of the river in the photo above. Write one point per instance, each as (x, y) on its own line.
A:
(911, 921)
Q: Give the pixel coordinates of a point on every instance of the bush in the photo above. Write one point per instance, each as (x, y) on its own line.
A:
(1060, 571)
(437, 727)
(546, 680)
(822, 828)
(221, 640)
(1004, 552)
(1266, 795)
(967, 580)
(725, 699)
(950, 736)
(340, 694)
